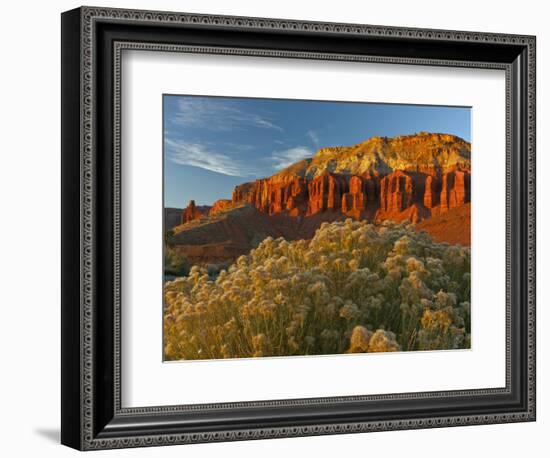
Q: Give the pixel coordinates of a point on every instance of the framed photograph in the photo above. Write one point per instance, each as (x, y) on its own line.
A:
(276, 228)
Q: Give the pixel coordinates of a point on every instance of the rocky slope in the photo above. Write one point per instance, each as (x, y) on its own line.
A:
(420, 178)
(383, 155)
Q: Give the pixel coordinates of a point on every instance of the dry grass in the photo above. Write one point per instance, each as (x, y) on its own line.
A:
(354, 287)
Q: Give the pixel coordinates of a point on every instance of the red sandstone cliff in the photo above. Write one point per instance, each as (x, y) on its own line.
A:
(406, 177)
(220, 206)
(399, 195)
(423, 178)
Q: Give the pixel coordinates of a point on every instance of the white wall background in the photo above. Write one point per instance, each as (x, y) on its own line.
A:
(30, 214)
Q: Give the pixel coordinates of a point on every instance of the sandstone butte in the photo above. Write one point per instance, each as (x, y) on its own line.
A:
(407, 177)
(192, 212)
(413, 177)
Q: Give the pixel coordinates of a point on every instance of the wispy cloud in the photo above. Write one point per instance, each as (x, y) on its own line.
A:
(201, 155)
(314, 137)
(219, 115)
(284, 158)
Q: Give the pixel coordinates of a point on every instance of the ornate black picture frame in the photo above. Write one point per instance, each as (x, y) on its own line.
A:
(92, 42)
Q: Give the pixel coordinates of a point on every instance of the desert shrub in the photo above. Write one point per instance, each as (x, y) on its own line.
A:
(175, 263)
(354, 287)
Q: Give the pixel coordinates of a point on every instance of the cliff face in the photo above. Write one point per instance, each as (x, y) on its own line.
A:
(220, 206)
(276, 194)
(402, 178)
(422, 178)
(359, 196)
(423, 152)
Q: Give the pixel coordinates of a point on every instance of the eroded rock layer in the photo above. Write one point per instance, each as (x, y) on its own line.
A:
(423, 178)
(406, 177)
(398, 195)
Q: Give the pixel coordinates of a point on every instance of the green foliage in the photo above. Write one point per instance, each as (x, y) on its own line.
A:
(354, 287)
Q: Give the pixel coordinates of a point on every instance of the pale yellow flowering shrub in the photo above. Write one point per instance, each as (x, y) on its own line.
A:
(355, 287)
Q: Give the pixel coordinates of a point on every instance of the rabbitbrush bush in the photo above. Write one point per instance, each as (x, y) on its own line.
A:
(354, 287)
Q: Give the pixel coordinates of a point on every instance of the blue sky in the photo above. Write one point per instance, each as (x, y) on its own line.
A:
(212, 144)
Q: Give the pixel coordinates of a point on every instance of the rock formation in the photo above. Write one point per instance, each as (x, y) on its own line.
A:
(423, 178)
(325, 193)
(396, 192)
(405, 177)
(355, 200)
(191, 212)
(432, 191)
(220, 205)
(455, 189)
(398, 195)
